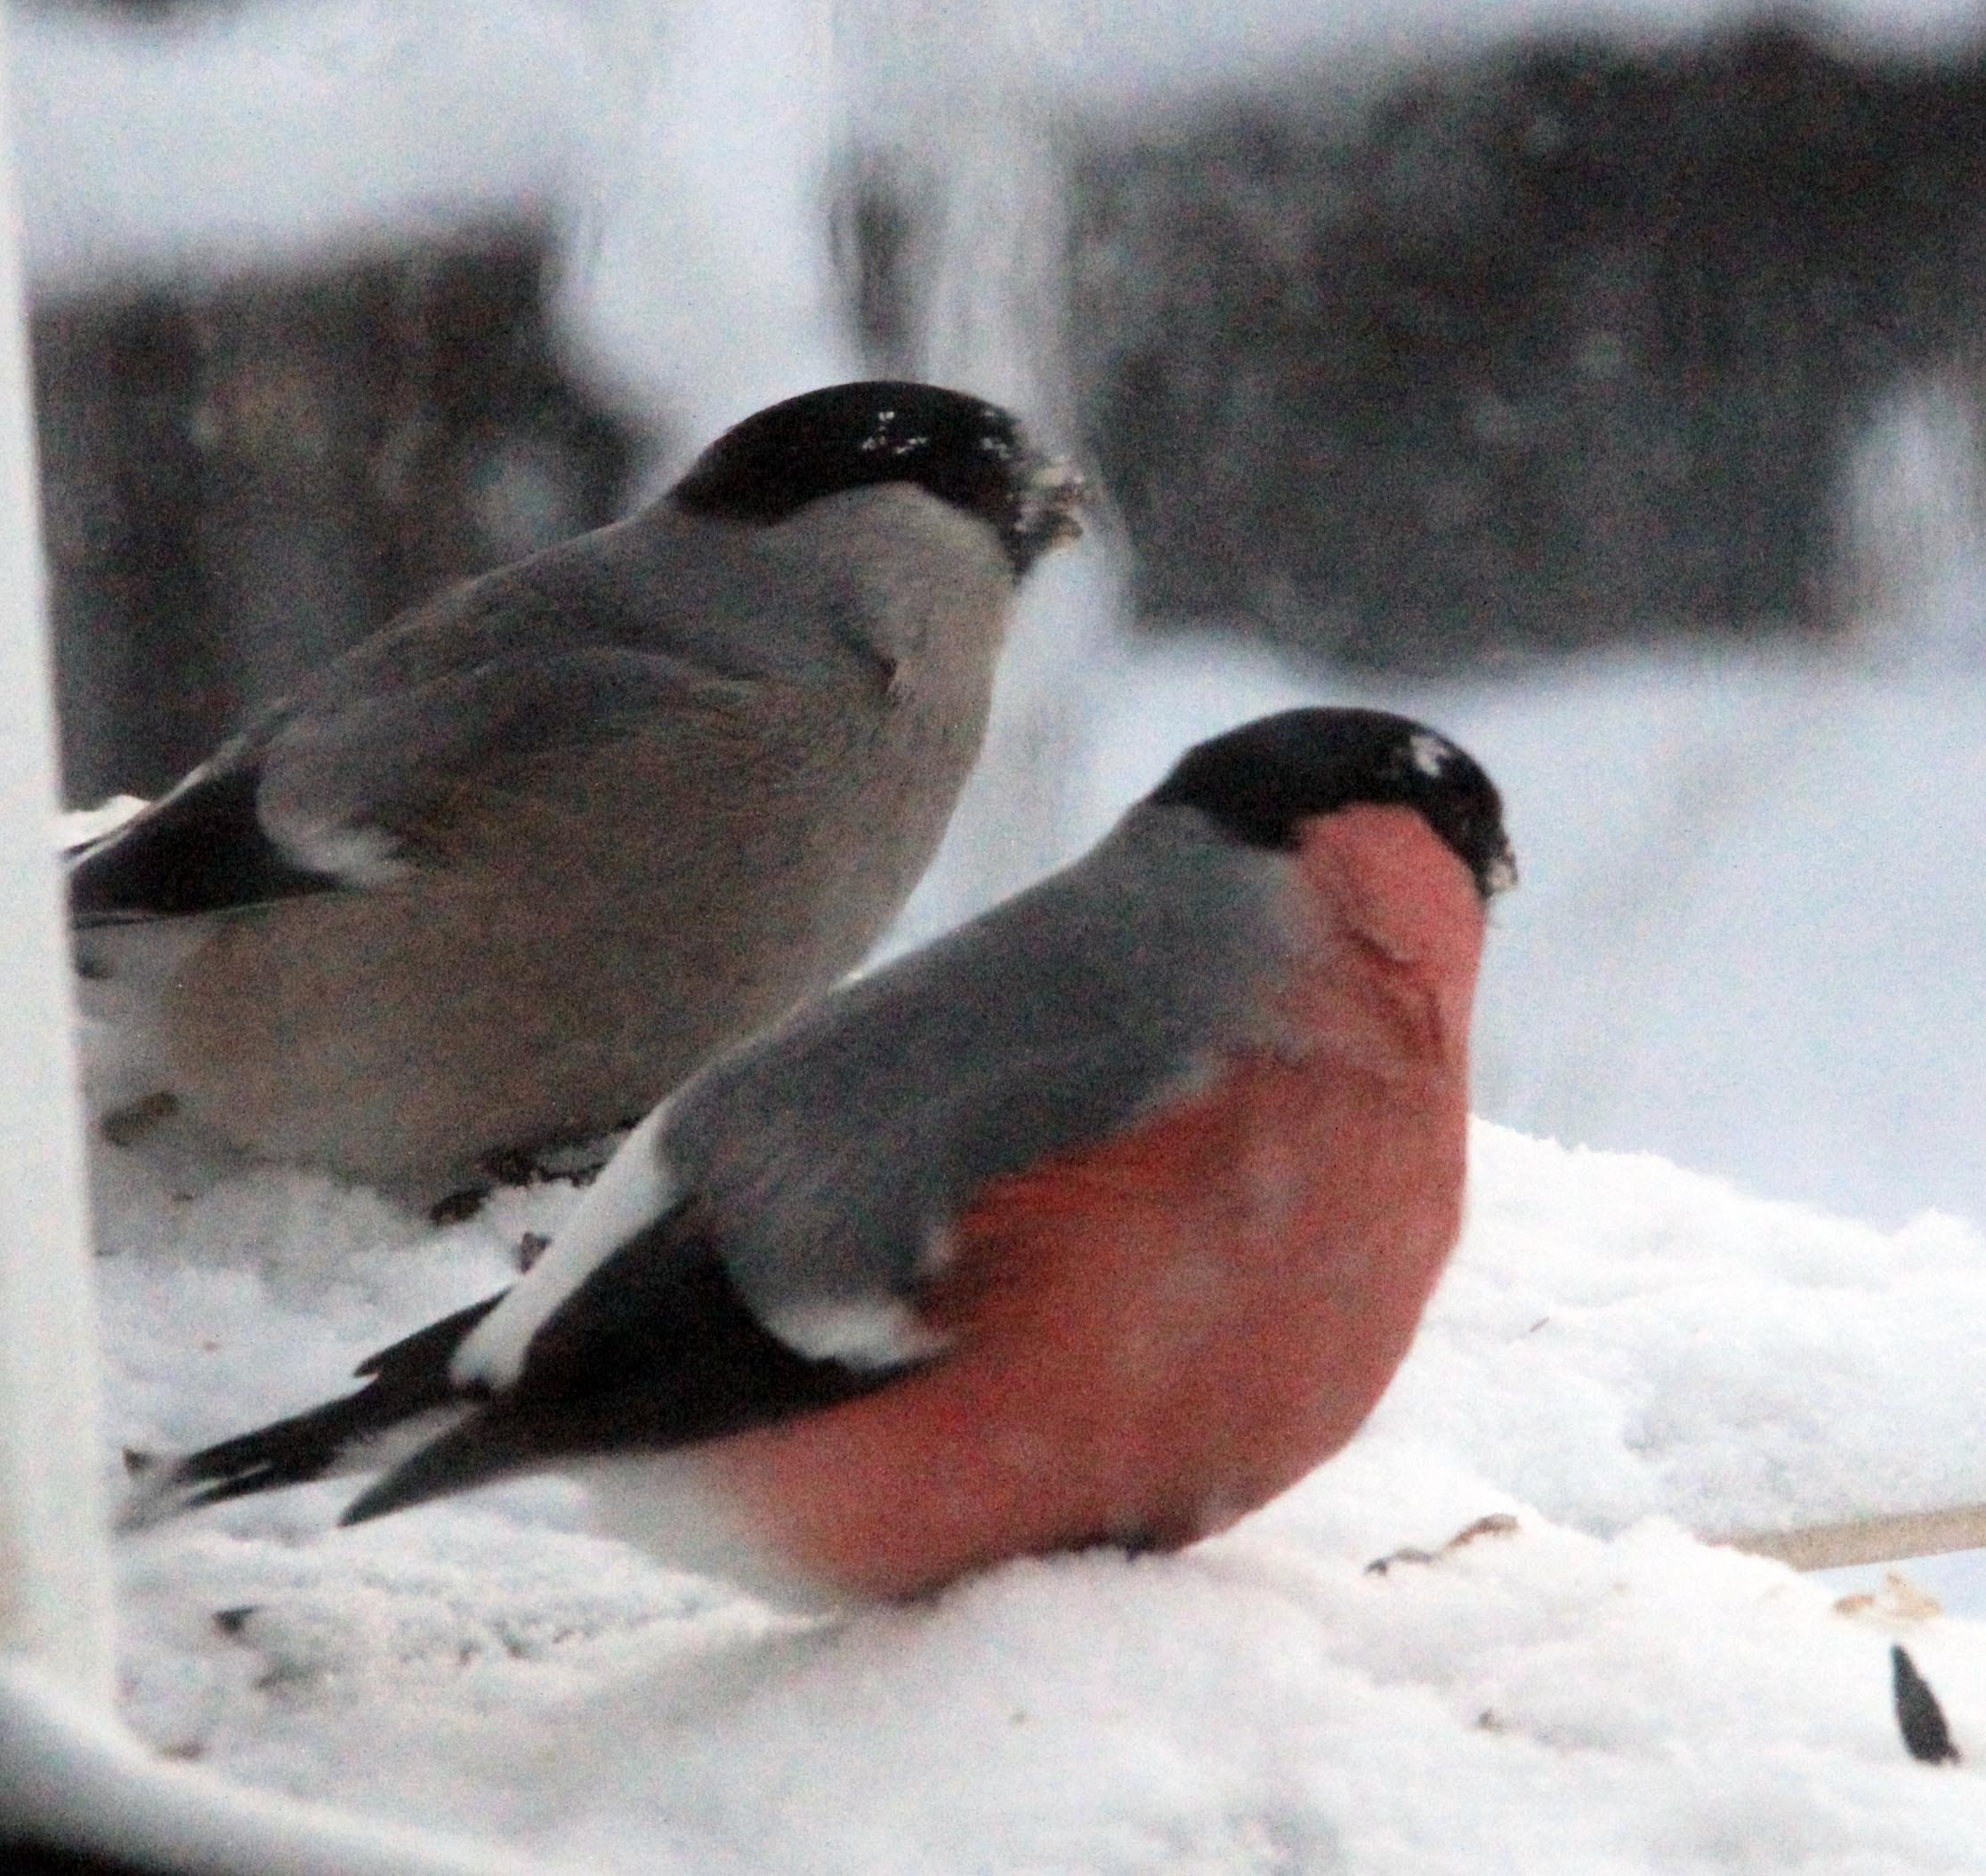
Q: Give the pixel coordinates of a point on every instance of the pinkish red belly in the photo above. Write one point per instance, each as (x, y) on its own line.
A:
(1149, 1341)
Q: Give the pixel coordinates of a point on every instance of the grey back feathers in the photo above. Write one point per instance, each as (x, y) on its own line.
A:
(832, 1155)
(658, 629)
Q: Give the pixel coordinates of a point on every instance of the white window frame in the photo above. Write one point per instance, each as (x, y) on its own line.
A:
(71, 1778)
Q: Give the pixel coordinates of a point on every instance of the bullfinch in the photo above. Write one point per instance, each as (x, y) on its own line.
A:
(508, 871)
(1101, 1220)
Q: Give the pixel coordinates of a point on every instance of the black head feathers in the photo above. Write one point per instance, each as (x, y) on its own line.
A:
(1261, 781)
(959, 448)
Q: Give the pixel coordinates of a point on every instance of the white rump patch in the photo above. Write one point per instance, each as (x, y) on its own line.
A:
(83, 827)
(1430, 754)
(356, 856)
(634, 1188)
(664, 1503)
(870, 1332)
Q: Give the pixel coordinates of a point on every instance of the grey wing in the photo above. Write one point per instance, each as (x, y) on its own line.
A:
(607, 636)
(332, 788)
(836, 1153)
(338, 794)
(363, 782)
(201, 848)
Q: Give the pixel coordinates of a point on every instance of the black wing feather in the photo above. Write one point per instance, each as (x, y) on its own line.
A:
(202, 849)
(410, 1378)
(656, 1349)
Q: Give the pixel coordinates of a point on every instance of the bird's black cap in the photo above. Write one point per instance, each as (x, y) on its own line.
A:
(959, 448)
(1261, 781)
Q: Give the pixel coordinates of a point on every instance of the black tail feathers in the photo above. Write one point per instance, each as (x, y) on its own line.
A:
(403, 1383)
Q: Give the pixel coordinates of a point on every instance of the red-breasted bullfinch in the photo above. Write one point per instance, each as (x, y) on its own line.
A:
(1101, 1220)
(509, 870)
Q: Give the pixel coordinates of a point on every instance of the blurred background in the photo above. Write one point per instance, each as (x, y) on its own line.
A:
(1600, 381)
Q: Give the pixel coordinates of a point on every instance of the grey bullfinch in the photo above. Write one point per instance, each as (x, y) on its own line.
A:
(511, 869)
(1101, 1220)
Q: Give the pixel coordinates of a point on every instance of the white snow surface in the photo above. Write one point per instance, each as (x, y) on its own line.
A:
(1623, 1354)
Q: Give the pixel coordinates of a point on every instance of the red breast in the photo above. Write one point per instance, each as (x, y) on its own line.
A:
(1155, 1336)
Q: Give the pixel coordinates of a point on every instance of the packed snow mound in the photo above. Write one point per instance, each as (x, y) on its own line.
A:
(1623, 1354)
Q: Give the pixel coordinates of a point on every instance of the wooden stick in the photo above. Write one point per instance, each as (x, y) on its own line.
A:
(1886, 1539)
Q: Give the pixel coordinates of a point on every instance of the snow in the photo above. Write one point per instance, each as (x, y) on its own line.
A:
(77, 1780)
(1623, 1354)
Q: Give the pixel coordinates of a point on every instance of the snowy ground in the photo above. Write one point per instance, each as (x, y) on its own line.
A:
(1623, 1353)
